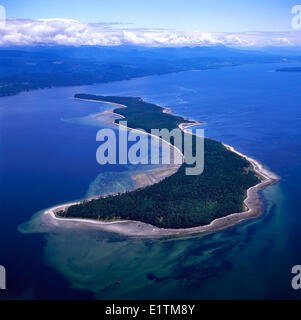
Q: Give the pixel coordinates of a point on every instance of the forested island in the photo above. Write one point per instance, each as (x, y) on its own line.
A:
(180, 200)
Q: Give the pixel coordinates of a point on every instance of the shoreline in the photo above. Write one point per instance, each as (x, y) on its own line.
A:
(252, 201)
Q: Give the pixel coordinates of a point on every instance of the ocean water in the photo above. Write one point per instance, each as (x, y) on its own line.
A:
(48, 151)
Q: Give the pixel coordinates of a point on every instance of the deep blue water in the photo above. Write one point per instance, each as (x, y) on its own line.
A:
(46, 160)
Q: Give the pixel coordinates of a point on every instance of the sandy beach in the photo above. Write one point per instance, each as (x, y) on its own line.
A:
(252, 202)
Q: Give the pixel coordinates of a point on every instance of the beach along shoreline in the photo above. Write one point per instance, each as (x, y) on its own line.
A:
(252, 201)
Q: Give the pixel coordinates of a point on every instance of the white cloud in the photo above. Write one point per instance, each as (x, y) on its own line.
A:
(72, 32)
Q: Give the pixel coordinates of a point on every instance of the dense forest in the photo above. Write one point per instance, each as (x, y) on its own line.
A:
(179, 201)
(23, 71)
(139, 113)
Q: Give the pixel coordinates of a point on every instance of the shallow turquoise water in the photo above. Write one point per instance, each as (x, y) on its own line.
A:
(49, 161)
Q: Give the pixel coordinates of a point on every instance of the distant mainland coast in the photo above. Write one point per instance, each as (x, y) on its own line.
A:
(166, 202)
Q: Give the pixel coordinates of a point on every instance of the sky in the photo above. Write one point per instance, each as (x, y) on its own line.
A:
(188, 15)
(185, 21)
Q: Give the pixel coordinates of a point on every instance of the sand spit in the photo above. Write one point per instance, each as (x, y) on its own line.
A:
(252, 202)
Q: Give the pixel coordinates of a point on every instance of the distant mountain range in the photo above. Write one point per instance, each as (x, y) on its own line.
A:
(32, 67)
